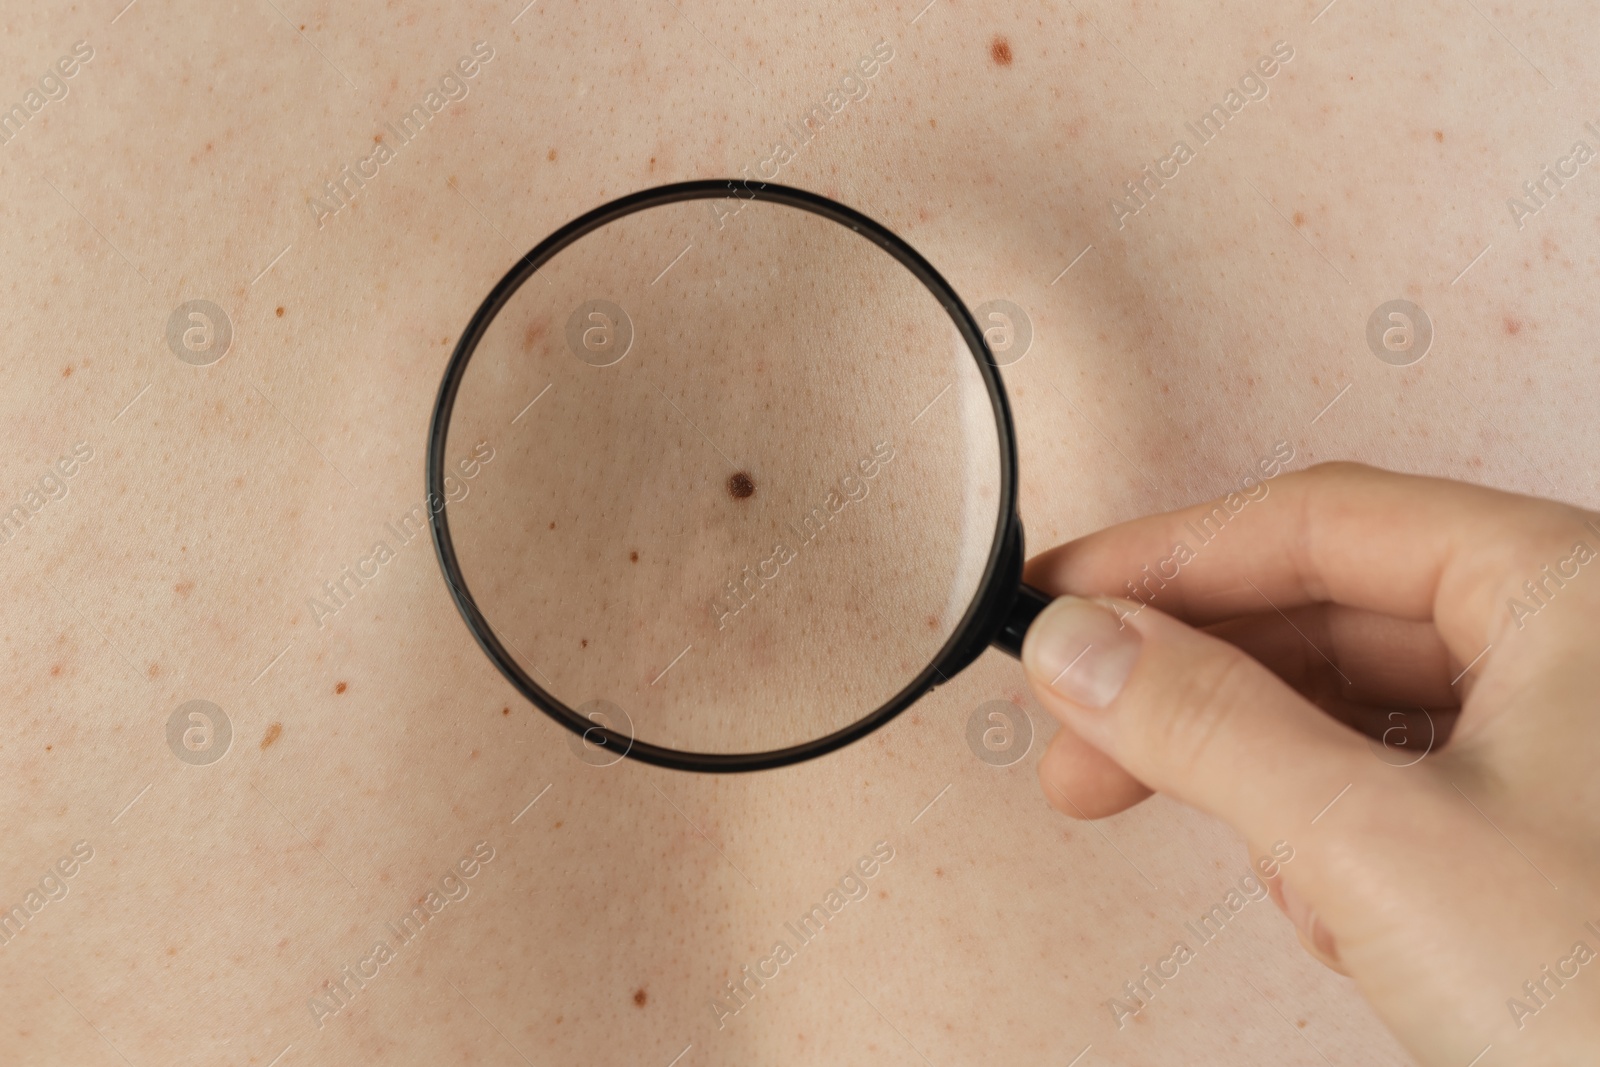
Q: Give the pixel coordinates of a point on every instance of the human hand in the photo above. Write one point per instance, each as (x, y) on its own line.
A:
(1460, 891)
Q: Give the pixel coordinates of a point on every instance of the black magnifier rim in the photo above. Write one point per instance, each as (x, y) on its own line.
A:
(977, 625)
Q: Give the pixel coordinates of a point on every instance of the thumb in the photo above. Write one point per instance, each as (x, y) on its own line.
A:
(1190, 715)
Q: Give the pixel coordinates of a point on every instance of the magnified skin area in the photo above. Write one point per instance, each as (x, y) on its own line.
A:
(779, 340)
(186, 559)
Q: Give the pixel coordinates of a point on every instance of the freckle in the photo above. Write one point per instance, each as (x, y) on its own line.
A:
(741, 486)
(552, 526)
(1438, 135)
(558, 823)
(1301, 1023)
(273, 733)
(1299, 218)
(559, 1018)
(341, 687)
(172, 950)
(640, 998)
(1513, 326)
(474, 754)
(377, 138)
(933, 124)
(66, 372)
(155, 670)
(883, 894)
(279, 313)
(634, 556)
(47, 748)
(183, 589)
(933, 622)
(1000, 52)
(938, 872)
(652, 163)
(536, 330)
(55, 672)
(552, 156)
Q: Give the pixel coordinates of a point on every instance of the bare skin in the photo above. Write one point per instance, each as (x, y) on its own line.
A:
(374, 747)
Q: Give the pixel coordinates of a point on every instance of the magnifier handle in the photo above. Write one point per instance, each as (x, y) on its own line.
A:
(1024, 609)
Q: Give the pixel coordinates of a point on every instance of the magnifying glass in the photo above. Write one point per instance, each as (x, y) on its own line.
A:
(722, 477)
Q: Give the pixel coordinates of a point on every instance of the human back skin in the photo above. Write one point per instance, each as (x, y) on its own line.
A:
(375, 754)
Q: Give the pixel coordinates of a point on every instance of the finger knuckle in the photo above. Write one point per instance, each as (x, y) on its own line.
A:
(1203, 706)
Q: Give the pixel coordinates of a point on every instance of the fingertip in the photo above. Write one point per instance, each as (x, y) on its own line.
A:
(1082, 782)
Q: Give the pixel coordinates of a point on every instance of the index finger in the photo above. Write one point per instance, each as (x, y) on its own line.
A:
(1408, 546)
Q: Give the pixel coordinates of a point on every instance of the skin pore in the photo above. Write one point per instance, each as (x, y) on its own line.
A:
(1175, 343)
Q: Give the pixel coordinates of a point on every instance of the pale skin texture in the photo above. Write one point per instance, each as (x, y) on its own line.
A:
(371, 753)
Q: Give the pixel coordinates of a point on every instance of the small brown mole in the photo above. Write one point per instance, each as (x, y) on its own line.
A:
(535, 333)
(66, 372)
(1000, 52)
(583, 642)
(552, 526)
(272, 734)
(640, 998)
(551, 156)
(279, 313)
(341, 687)
(505, 711)
(634, 556)
(741, 486)
(1513, 325)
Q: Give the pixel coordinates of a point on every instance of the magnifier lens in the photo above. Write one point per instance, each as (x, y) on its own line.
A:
(735, 476)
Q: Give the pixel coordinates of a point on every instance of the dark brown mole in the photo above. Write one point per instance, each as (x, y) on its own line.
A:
(280, 313)
(583, 642)
(640, 997)
(634, 556)
(740, 485)
(341, 687)
(1000, 52)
